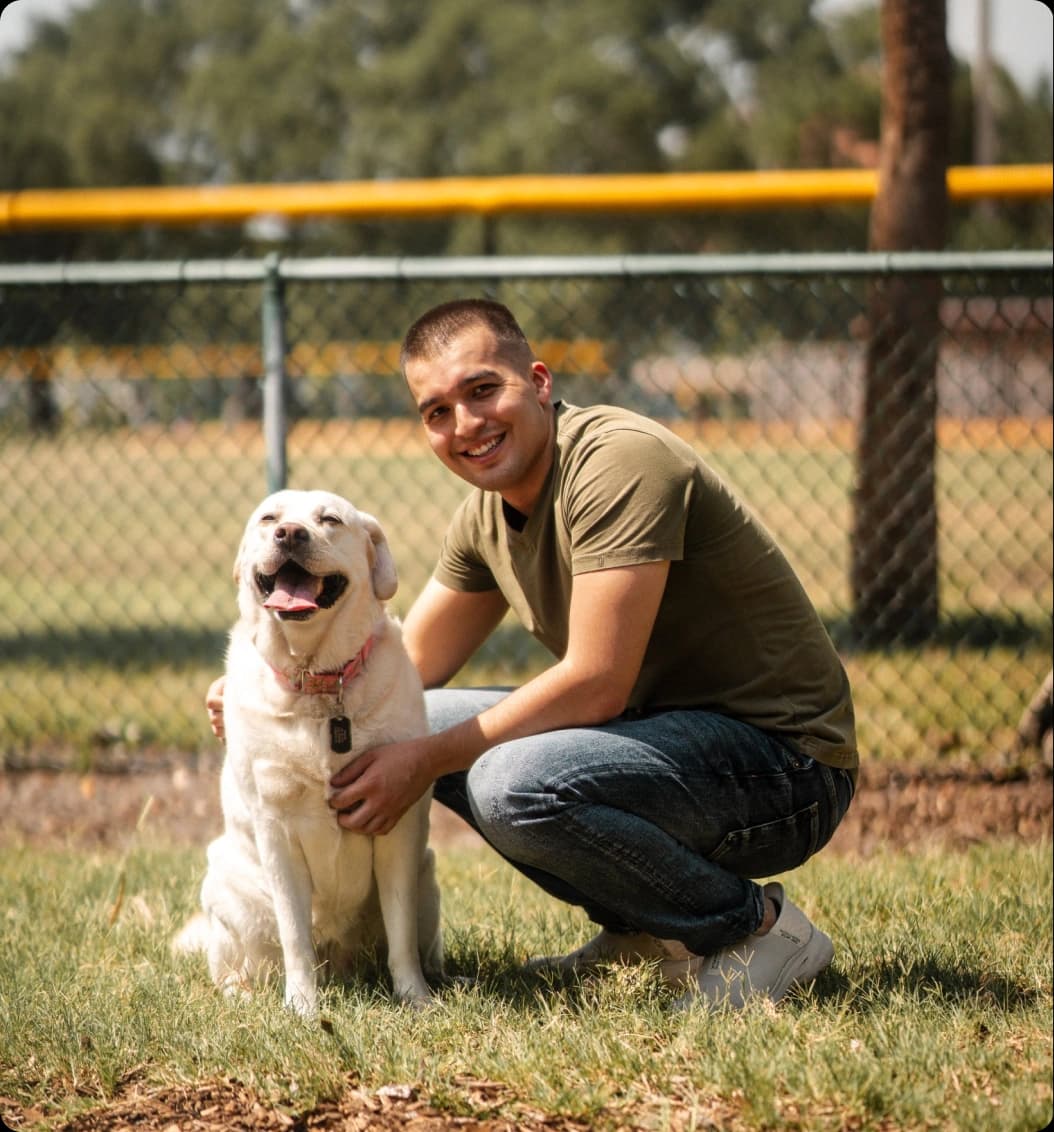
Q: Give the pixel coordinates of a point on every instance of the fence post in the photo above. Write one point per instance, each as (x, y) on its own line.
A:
(274, 391)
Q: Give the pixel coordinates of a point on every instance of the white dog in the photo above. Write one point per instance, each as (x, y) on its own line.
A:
(316, 673)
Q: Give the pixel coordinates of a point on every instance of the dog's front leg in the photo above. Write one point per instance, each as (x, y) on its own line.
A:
(397, 863)
(286, 868)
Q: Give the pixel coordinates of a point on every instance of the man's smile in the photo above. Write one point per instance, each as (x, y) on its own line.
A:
(485, 448)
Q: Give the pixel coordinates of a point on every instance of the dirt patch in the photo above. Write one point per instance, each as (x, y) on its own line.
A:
(899, 808)
(177, 805)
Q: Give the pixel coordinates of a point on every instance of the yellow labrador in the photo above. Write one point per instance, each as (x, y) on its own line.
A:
(316, 672)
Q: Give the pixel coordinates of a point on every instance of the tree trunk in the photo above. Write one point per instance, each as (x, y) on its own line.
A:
(43, 412)
(894, 549)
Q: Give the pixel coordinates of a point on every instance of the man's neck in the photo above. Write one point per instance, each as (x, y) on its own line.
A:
(523, 500)
(516, 519)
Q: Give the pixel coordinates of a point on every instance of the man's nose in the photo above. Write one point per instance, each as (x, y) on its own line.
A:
(466, 418)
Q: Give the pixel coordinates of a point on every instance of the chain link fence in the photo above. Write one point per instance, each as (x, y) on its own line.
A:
(146, 408)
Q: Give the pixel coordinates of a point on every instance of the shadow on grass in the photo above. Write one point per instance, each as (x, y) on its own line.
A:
(925, 980)
(499, 976)
(122, 649)
(510, 647)
(875, 988)
(494, 975)
(131, 648)
(967, 631)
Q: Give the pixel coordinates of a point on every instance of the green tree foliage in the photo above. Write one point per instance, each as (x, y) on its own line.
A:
(150, 92)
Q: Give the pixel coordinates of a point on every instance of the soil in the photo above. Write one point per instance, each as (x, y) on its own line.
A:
(897, 808)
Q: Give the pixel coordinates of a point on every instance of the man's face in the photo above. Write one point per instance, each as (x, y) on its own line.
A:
(487, 415)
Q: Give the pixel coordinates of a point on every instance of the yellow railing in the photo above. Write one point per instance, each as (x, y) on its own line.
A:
(490, 196)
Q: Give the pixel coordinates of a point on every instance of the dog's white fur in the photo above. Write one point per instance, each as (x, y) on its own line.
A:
(286, 886)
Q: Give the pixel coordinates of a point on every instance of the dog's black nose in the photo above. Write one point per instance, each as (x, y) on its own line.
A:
(287, 534)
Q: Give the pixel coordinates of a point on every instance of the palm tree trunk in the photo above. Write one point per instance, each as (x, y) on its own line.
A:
(894, 548)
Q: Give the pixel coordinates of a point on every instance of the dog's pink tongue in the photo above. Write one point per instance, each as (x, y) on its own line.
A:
(293, 594)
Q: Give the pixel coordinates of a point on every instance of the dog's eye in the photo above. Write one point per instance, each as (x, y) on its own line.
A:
(332, 520)
(268, 518)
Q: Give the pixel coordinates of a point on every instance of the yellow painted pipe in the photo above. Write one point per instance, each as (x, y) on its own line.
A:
(1006, 182)
(488, 196)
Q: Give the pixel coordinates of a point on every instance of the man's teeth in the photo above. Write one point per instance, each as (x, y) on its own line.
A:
(483, 449)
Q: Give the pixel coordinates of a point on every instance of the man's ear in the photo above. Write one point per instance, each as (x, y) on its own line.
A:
(383, 574)
(543, 381)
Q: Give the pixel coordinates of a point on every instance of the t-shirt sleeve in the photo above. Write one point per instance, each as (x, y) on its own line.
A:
(626, 497)
(460, 566)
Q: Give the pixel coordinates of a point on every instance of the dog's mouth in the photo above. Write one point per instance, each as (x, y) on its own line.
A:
(295, 594)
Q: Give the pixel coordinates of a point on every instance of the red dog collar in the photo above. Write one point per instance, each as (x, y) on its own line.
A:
(320, 683)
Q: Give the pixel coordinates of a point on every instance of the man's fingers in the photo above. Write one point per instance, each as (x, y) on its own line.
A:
(214, 705)
(344, 800)
(216, 721)
(353, 817)
(352, 771)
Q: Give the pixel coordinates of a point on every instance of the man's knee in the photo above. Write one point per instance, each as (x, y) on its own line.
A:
(448, 707)
(510, 805)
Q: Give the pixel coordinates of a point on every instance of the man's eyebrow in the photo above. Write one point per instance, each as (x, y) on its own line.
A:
(464, 383)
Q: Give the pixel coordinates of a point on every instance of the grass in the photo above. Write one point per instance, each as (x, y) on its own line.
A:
(115, 562)
(936, 1013)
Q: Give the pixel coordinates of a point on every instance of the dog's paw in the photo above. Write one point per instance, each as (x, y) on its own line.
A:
(193, 937)
(413, 991)
(418, 1005)
(235, 986)
(302, 1001)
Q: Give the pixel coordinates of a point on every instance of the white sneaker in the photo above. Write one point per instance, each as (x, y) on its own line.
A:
(793, 952)
(677, 965)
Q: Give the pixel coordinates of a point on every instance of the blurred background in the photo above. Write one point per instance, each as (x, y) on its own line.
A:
(217, 92)
(889, 419)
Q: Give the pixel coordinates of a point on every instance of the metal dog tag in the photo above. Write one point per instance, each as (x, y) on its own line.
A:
(340, 734)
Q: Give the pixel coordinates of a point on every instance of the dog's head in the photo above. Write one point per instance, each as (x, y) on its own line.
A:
(303, 551)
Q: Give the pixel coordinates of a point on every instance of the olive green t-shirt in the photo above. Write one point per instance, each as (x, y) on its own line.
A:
(735, 632)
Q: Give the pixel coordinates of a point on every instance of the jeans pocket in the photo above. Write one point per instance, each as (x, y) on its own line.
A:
(772, 847)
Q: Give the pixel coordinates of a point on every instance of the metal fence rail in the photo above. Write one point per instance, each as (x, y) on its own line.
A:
(38, 209)
(145, 409)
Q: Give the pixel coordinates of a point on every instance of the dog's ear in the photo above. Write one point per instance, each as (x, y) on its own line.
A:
(238, 563)
(241, 558)
(383, 574)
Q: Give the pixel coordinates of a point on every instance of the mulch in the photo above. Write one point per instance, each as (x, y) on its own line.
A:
(227, 1105)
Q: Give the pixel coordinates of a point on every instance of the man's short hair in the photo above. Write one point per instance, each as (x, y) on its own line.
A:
(438, 327)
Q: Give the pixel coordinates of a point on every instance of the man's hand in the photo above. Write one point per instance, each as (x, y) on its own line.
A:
(214, 703)
(373, 791)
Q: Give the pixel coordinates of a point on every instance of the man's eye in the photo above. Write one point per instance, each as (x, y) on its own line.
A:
(434, 415)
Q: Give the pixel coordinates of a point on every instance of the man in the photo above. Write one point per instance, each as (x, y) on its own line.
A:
(696, 727)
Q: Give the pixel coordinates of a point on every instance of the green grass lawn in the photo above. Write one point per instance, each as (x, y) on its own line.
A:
(117, 548)
(935, 1014)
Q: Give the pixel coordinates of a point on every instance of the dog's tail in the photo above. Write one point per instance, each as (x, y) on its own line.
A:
(192, 937)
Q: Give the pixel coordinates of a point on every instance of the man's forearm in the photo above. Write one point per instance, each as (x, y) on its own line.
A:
(556, 698)
(610, 622)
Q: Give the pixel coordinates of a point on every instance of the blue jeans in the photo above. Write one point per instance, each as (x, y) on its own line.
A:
(653, 823)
